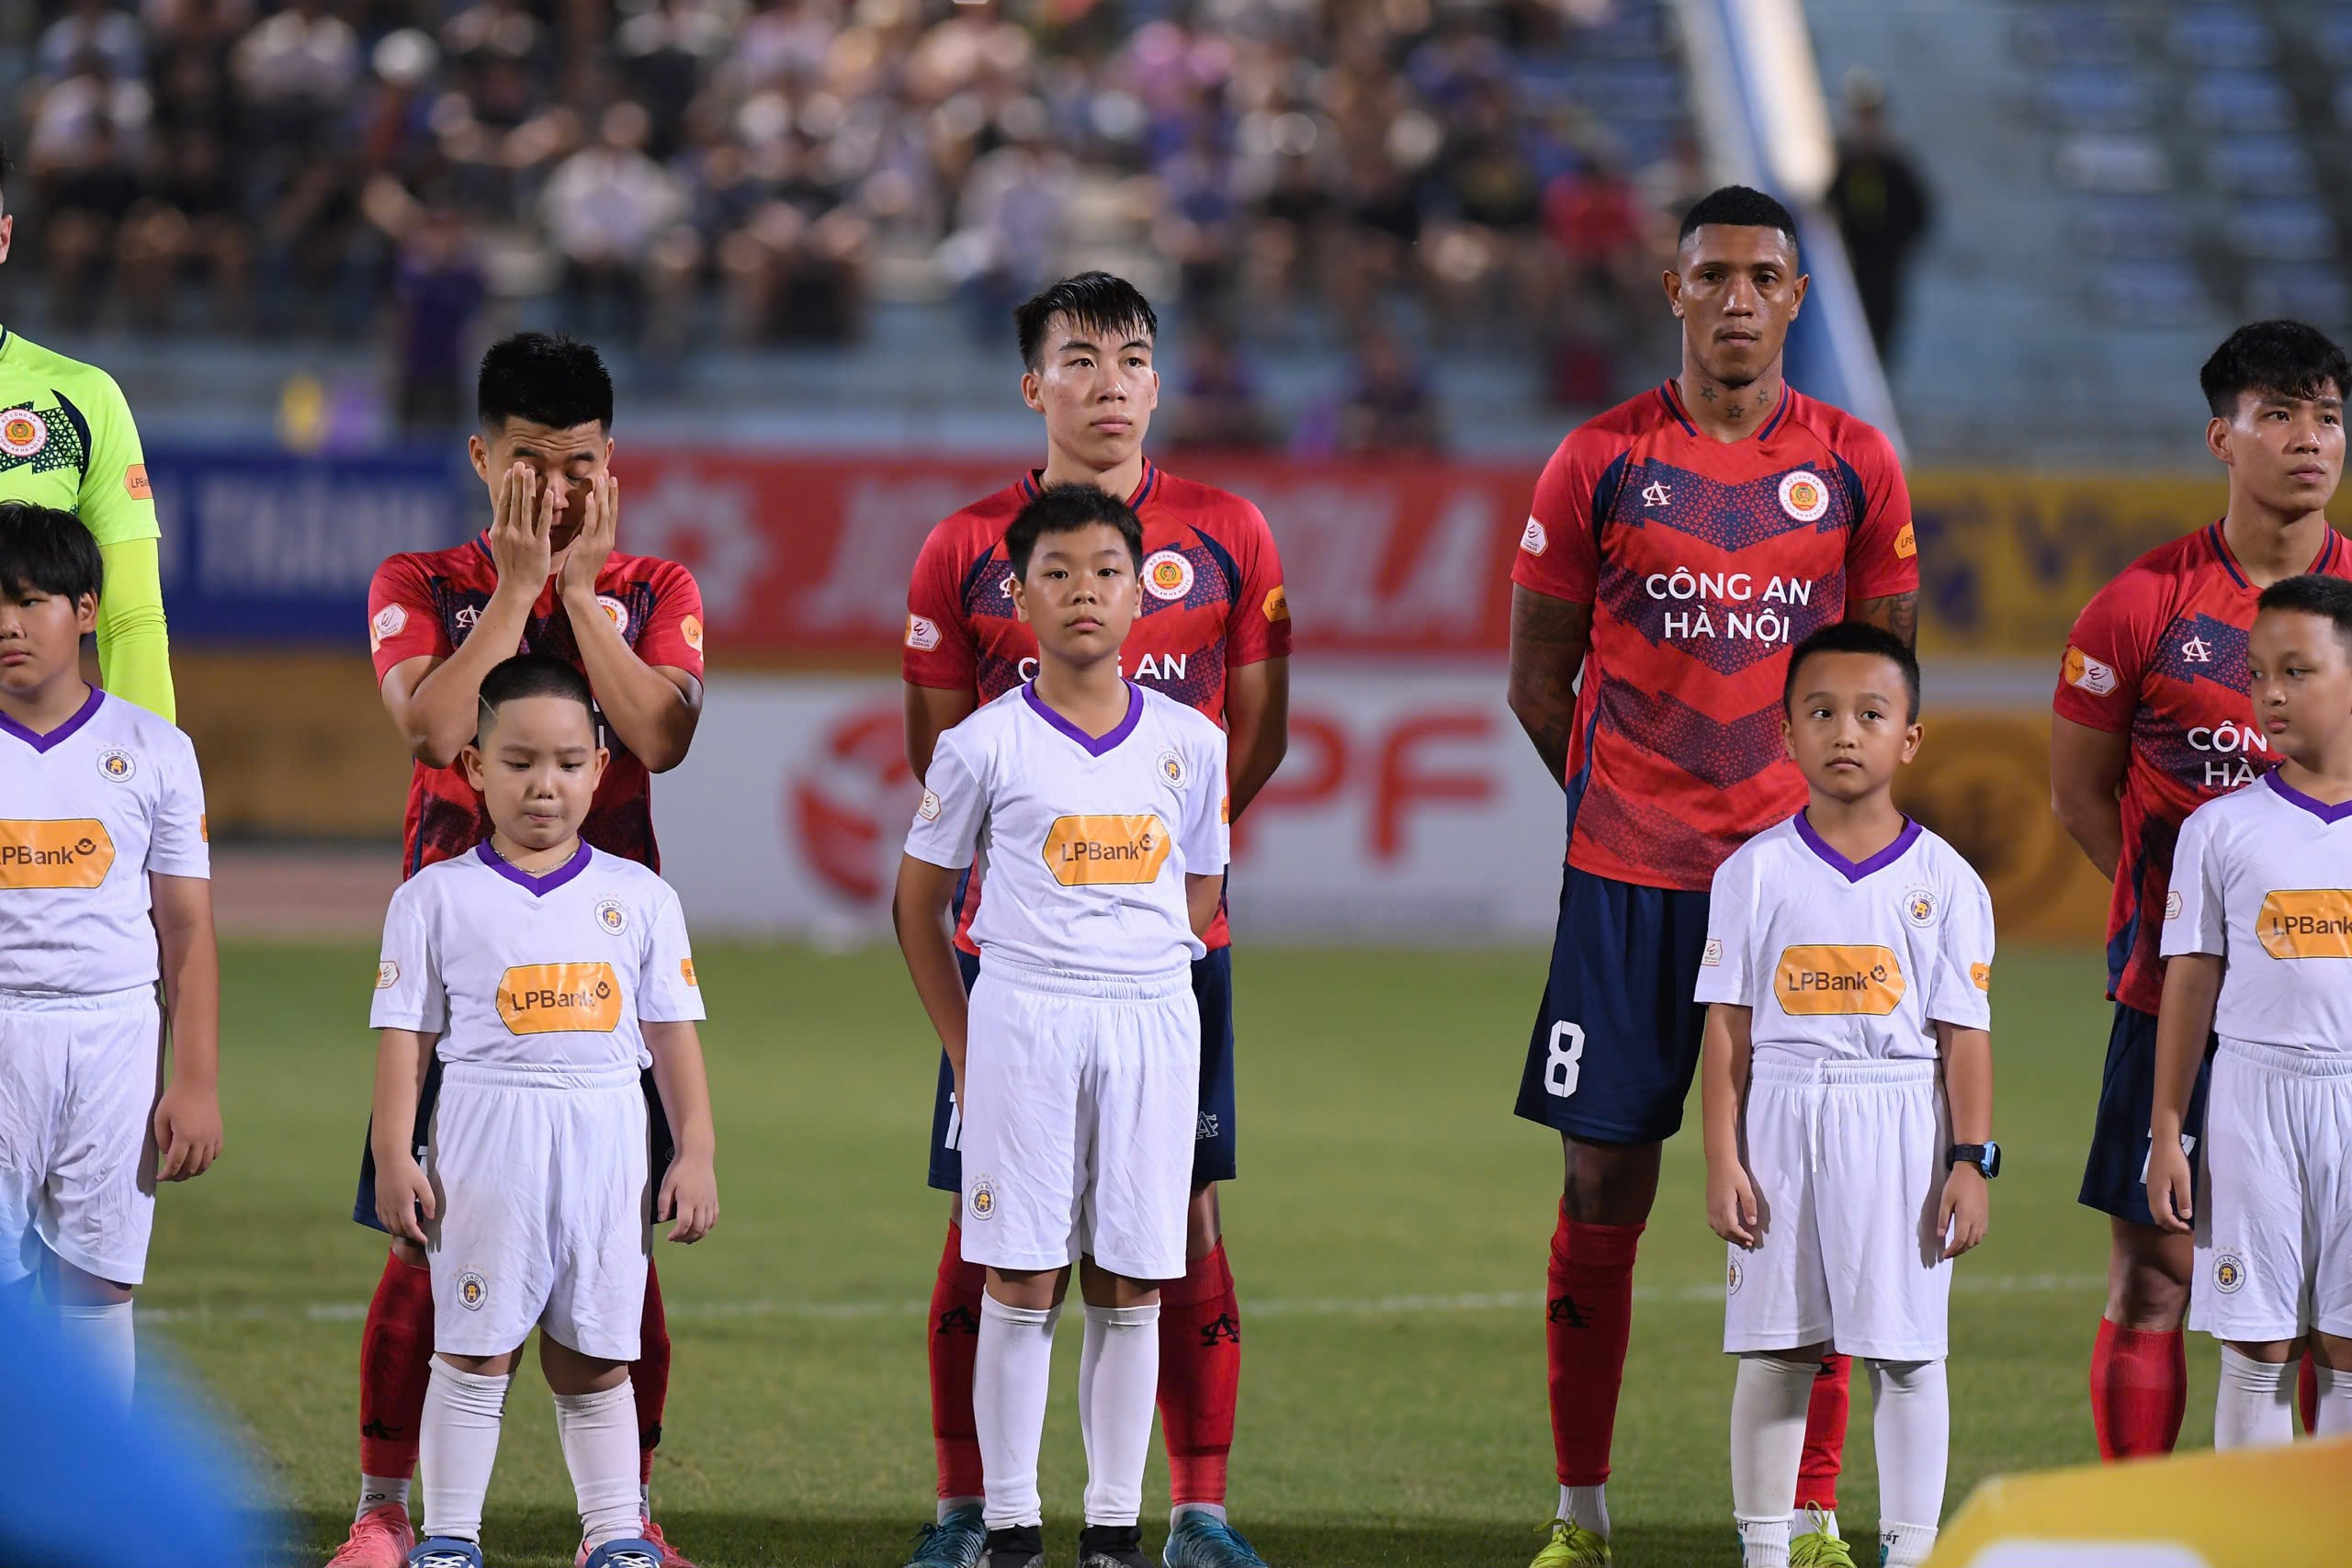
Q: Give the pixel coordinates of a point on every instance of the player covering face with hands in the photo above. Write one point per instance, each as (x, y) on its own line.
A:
(2258, 943)
(544, 975)
(1848, 1093)
(1100, 810)
(104, 890)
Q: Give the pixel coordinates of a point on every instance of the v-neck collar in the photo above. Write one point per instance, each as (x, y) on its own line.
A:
(63, 733)
(2330, 815)
(1854, 871)
(537, 885)
(1096, 745)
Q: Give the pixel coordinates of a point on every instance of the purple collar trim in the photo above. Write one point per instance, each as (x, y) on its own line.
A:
(63, 733)
(1096, 746)
(1852, 870)
(2319, 808)
(546, 882)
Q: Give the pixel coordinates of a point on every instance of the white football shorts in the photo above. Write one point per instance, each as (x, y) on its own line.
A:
(2274, 1213)
(79, 1076)
(1080, 1092)
(541, 1178)
(1847, 1160)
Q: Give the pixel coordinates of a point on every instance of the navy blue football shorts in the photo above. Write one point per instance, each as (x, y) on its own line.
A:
(2115, 1178)
(363, 1207)
(1215, 1136)
(1617, 1039)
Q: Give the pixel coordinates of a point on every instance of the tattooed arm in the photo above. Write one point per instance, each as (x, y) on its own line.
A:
(1548, 640)
(1898, 612)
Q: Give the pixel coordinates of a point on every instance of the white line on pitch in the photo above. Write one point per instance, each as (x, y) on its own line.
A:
(1276, 1306)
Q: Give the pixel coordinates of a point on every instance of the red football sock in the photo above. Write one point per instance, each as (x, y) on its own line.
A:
(1200, 1377)
(2138, 1390)
(1824, 1435)
(955, 1340)
(1589, 1318)
(395, 1364)
(2307, 1394)
(649, 1375)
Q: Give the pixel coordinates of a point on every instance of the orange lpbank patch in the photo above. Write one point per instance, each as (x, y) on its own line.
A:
(2306, 922)
(75, 853)
(1834, 978)
(557, 999)
(1087, 851)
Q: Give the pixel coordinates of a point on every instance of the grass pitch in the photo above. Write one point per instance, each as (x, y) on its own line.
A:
(1388, 1237)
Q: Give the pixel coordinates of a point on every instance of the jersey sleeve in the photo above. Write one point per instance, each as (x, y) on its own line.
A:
(1559, 550)
(937, 648)
(2098, 679)
(667, 991)
(116, 503)
(1726, 968)
(672, 635)
(176, 838)
(2196, 918)
(401, 622)
(134, 645)
(1883, 553)
(946, 830)
(1260, 628)
(1962, 991)
(1206, 833)
(408, 980)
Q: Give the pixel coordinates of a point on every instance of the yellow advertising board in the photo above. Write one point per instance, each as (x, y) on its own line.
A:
(1982, 780)
(2279, 1507)
(2007, 559)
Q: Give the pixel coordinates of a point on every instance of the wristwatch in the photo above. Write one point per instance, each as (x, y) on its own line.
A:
(1985, 1157)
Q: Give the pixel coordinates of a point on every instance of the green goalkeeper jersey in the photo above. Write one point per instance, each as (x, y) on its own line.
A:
(67, 441)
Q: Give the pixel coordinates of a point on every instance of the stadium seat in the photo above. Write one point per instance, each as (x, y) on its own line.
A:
(2335, 40)
(2143, 290)
(2072, 34)
(2138, 227)
(2219, 37)
(2120, 163)
(2258, 165)
(2281, 230)
(2308, 293)
(2243, 102)
(2094, 97)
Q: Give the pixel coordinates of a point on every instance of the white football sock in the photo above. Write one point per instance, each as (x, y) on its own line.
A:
(457, 1446)
(2256, 1404)
(2335, 1401)
(1118, 1387)
(1206, 1510)
(645, 1499)
(951, 1505)
(1911, 1420)
(598, 1432)
(1586, 1506)
(100, 1333)
(1767, 1405)
(375, 1491)
(1012, 1373)
(1828, 1525)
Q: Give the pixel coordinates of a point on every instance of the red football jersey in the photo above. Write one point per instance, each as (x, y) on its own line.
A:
(1704, 562)
(2159, 654)
(1213, 601)
(427, 604)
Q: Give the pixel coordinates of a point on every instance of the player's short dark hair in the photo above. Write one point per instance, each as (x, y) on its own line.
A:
(1092, 302)
(1738, 206)
(530, 676)
(2329, 598)
(48, 551)
(1065, 509)
(2285, 358)
(545, 377)
(1855, 636)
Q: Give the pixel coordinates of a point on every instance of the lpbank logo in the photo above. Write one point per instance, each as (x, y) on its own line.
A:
(560, 998)
(73, 854)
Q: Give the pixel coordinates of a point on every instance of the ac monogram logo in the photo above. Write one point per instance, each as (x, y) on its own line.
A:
(1657, 494)
(2196, 650)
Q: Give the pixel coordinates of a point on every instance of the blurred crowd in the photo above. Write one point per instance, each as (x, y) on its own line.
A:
(1403, 175)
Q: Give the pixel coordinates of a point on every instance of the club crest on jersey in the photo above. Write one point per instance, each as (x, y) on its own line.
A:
(981, 1202)
(611, 915)
(614, 612)
(2196, 650)
(1920, 906)
(2081, 670)
(1657, 494)
(117, 765)
(472, 1290)
(1804, 496)
(1168, 576)
(1732, 1277)
(23, 433)
(1172, 768)
(2229, 1273)
(1535, 541)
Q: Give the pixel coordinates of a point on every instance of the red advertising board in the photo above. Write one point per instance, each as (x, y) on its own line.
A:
(806, 558)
